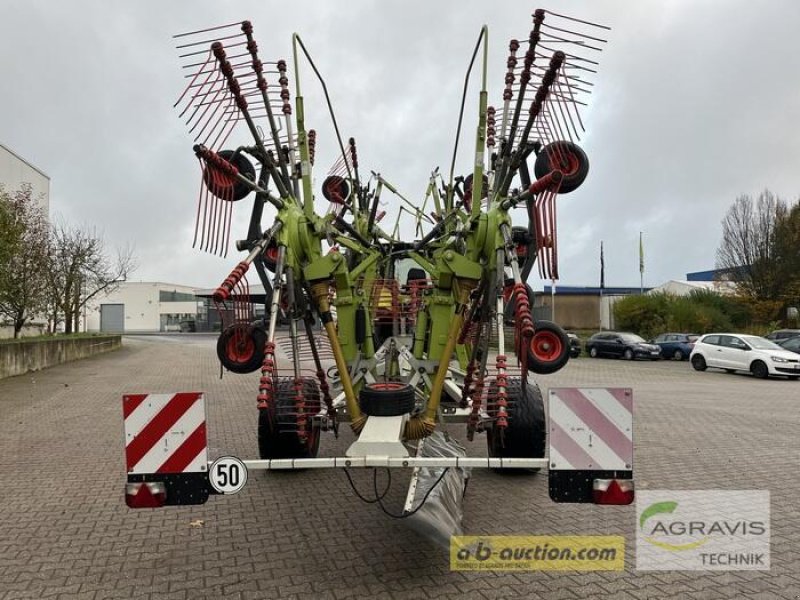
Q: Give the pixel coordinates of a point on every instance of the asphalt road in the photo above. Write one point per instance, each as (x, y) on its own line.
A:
(65, 531)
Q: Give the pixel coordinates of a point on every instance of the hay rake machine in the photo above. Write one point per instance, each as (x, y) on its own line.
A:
(413, 334)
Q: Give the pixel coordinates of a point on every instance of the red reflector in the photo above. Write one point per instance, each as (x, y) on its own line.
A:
(151, 494)
(613, 491)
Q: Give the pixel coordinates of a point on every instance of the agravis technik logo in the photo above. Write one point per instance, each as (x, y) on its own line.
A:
(702, 530)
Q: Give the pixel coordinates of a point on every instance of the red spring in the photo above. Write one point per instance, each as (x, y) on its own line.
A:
(215, 161)
(312, 145)
(284, 82)
(300, 407)
(501, 381)
(490, 126)
(266, 388)
(477, 397)
(523, 318)
(467, 389)
(325, 389)
(224, 291)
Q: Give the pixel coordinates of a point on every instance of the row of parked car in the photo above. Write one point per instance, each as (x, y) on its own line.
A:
(776, 354)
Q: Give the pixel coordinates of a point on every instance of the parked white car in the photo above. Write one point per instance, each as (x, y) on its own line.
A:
(734, 352)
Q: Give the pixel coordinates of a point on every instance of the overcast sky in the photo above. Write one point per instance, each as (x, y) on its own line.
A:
(696, 102)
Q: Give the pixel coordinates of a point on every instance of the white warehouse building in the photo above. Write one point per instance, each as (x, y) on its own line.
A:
(16, 171)
(145, 307)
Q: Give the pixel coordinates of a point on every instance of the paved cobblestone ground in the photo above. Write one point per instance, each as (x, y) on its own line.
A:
(65, 531)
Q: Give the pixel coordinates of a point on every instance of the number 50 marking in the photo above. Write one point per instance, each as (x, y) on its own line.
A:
(227, 475)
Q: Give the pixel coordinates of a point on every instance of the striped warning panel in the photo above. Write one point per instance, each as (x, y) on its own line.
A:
(591, 429)
(165, 433)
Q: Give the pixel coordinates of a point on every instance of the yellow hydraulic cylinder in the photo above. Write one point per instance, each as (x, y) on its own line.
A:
(320, 293)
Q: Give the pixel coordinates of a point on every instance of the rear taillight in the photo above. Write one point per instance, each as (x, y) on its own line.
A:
(613, 491)
(150, 494)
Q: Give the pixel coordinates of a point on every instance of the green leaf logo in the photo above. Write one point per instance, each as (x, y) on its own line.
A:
(667, 507)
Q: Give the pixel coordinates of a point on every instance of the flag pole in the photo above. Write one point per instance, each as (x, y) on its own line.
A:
(602, 285)
(641, 264)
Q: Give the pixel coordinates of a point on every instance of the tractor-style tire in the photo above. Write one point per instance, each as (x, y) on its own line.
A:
(525, 436)
(566, 157)
(240, 348)
(386, 399)
(548, 349)
(277, 428)
(225, 187)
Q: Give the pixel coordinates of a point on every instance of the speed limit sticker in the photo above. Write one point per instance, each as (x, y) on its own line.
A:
(227, 475)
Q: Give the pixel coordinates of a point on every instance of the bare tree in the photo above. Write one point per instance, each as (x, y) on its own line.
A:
(23, 243)
(79, 269)
(749, 248)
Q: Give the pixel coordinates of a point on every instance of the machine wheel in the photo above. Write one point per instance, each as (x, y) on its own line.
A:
(678, 355)
(271, 257)
(549, 349)
(628, 354)
(240, 348)
(593, 352)
(525, 436)
(225, 187)
(567, 158)
(699, 363)
(794, 377)
(759, 369)
(277, 428)
(386, 399)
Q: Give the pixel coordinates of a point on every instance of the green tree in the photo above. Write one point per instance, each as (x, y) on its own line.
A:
(24, 241)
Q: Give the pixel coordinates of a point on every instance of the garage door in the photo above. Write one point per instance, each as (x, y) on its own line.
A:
(112, 317)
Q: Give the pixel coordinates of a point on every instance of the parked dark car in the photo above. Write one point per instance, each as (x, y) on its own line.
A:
(782, 334)
(621, 345)
(791, 344)
(574, 345)
(676, 345)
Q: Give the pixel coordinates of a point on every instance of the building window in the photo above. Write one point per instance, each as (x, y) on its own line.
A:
(175, 296)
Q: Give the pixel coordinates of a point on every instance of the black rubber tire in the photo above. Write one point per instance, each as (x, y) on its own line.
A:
(240, 189)
(277, 431)
(240, 348)
(593, 352)
(336, 189)
(678, 355)
(699, 363)
(386, 399)
(793, 377)
(628, 354)
(526, 434)
(549, 348)
(270, 257)
(566, 157)
(759, 369)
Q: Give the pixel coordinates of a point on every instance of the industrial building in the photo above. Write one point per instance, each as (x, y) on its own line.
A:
(146, 307)
(16, 171)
